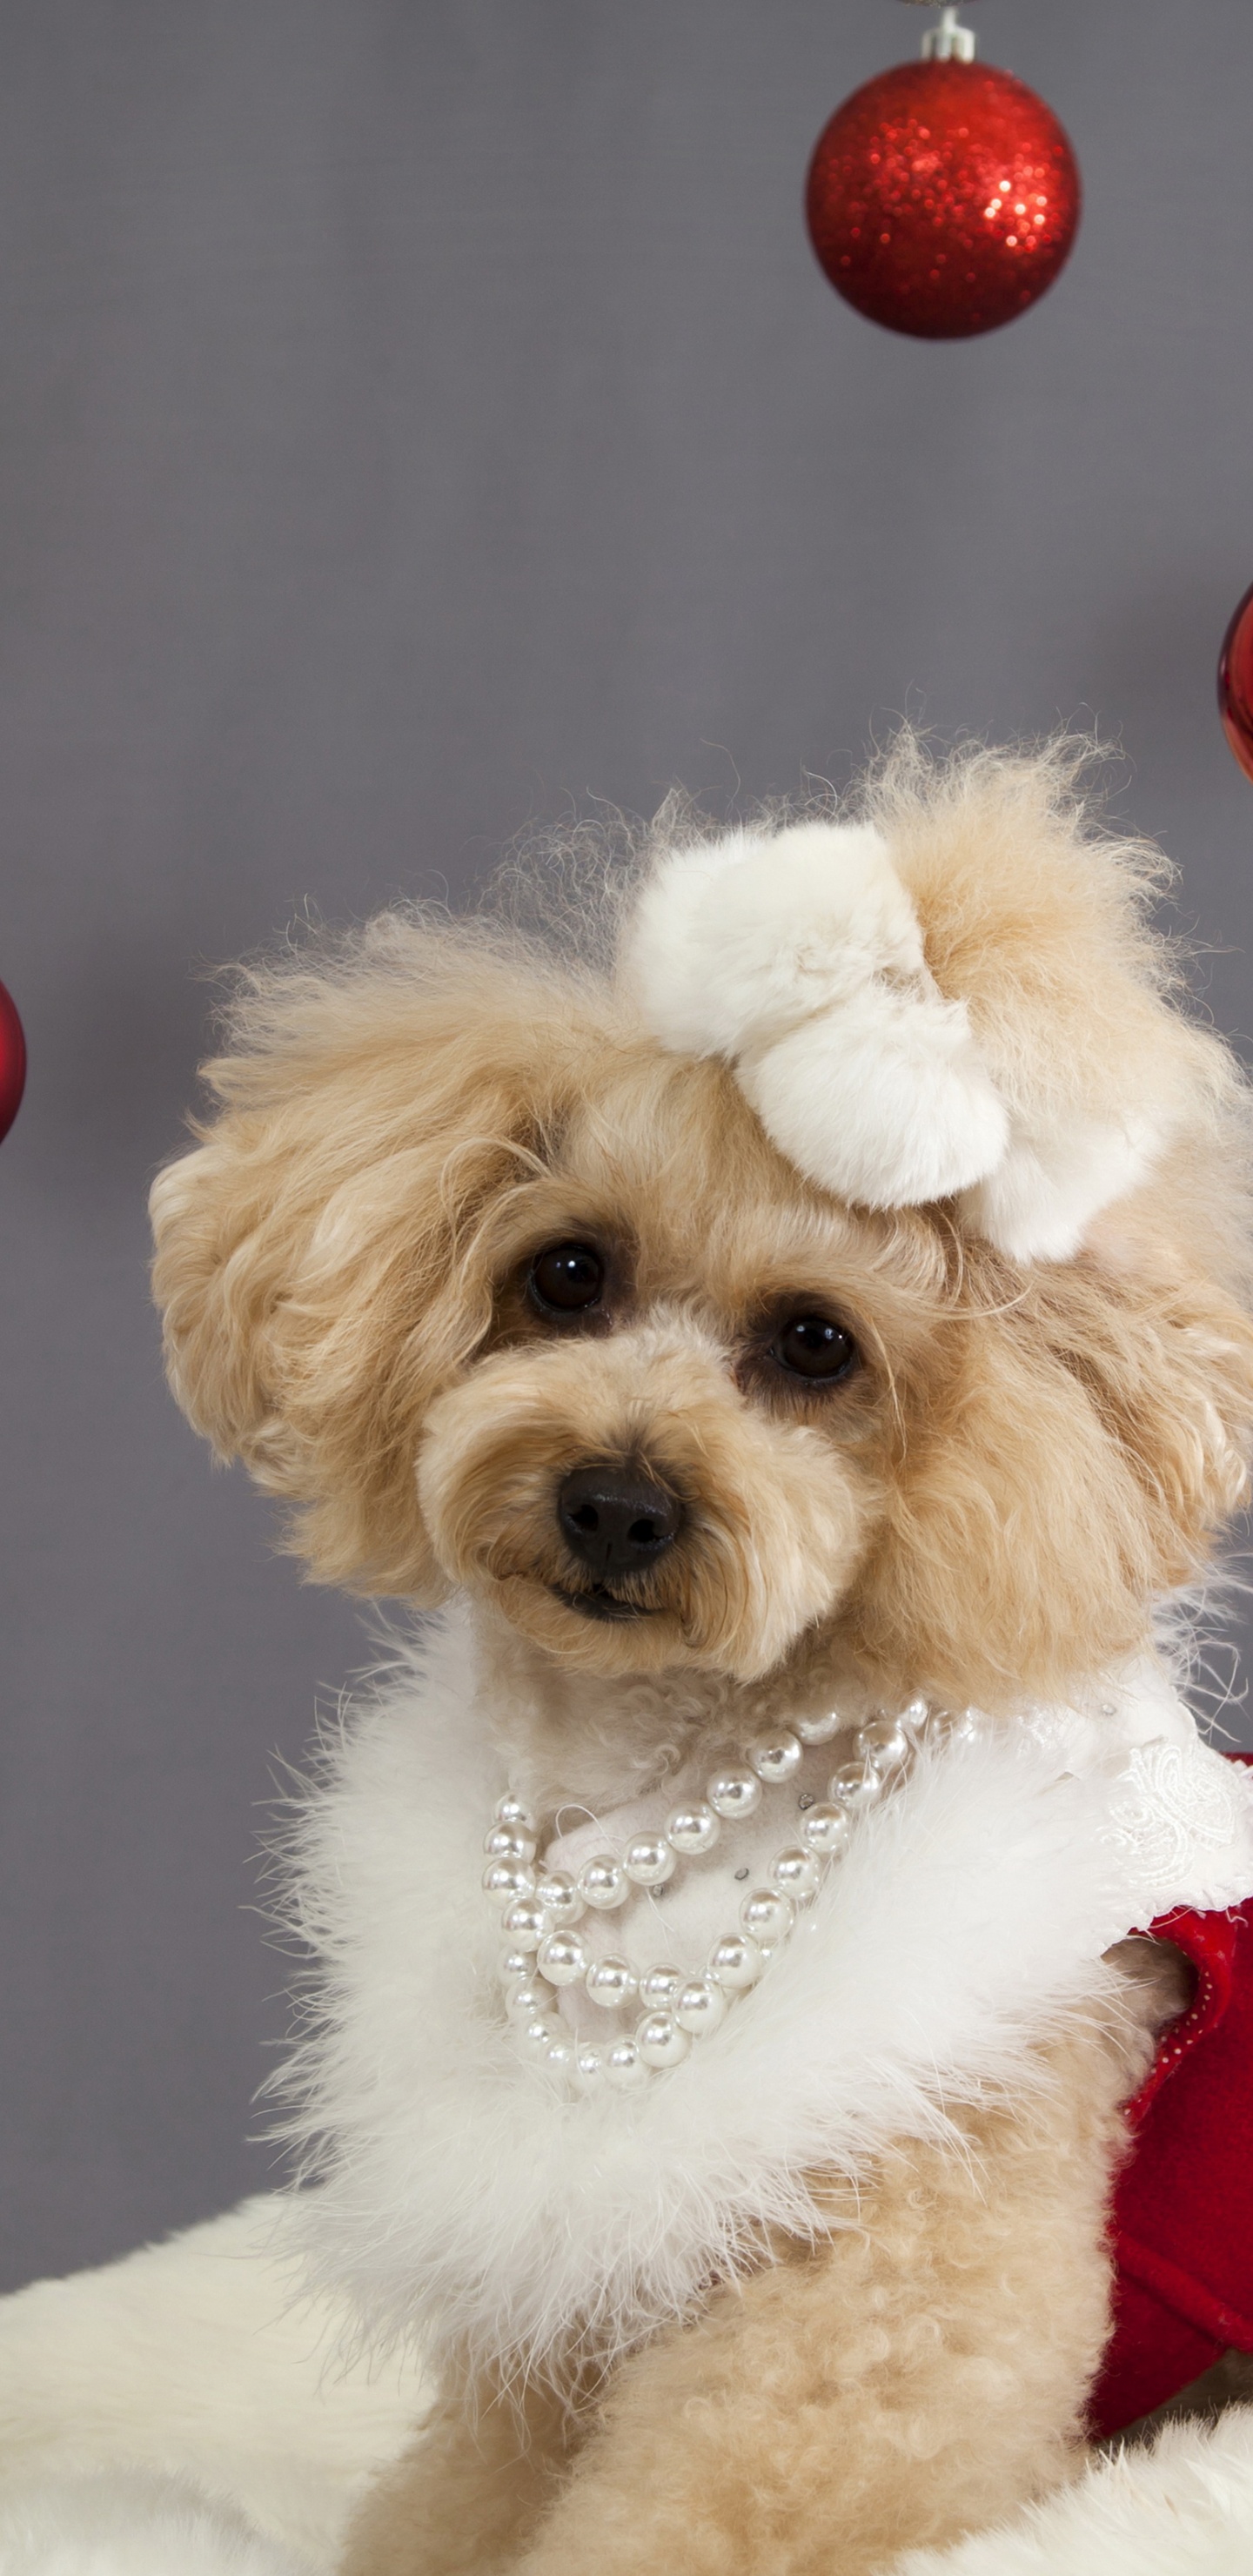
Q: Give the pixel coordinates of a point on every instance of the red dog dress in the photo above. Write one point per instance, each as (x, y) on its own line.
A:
(1183, 2208)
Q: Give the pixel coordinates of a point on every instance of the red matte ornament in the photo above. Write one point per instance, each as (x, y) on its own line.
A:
(12, 1062)
(1235, 684)
(943, 198)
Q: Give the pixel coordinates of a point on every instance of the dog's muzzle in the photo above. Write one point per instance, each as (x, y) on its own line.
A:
(618, 1525)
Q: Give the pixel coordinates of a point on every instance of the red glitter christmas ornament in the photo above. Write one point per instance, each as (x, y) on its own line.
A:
(12, 1062)
(1235, 684)
(943, 197)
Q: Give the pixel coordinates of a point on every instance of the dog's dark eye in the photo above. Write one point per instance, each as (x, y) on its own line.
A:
(811, 1347)
(566, 1279)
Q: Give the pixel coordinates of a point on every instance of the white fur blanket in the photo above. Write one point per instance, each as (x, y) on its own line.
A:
(168, 2417)
(1184, 2508)
(181, 2412)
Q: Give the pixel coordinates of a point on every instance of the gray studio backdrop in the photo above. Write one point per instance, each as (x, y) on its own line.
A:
(421, 417)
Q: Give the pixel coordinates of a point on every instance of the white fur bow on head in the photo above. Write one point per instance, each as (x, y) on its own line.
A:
(799, 957)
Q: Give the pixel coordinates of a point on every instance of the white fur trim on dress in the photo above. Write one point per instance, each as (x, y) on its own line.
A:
(799, 958)
(1183, 2508)
(465, 2192)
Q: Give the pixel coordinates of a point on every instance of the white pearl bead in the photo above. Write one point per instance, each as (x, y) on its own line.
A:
(505, 1843)
(795, 1873)
(915, 1716)
(603, 1883)
(506, 1880)
(767, 1917)
(819, 1730)
(555, 1890)
(562, 1959)
(693, 1830)
(660, 2041)
(562, 2054)
(965, 1726)
(855, 1785)
(735, 1963)
(648, 1861)
(515, 1812)
(526, 2001)
(659, 1986)
(826, 1830)
(884, 1744)
(514, 1965)
(589, 2065)
(700, 2007)
(734, 1793)
(526, 1923)
(624, 2066)
(610, 1983)
(775, 1757)
(542, 2034)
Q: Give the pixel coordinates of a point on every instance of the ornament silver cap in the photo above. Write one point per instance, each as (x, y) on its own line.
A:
(950, 42)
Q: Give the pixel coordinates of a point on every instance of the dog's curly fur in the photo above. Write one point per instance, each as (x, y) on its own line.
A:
(1025, 1459)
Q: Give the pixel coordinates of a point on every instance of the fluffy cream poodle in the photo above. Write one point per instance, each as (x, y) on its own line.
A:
(789, 1325)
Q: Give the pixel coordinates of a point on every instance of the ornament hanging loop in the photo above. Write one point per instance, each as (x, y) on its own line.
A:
(950, 42)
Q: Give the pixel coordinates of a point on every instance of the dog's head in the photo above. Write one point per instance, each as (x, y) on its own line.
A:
(860, 1258)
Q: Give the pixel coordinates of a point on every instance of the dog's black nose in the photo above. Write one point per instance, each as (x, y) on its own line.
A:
(616, 1522)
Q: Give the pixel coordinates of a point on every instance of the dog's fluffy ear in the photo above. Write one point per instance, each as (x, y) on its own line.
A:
(1085, 1443)
(955, 997)
(315, 1253)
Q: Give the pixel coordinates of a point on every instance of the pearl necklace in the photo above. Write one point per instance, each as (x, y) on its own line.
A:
(542, 1908)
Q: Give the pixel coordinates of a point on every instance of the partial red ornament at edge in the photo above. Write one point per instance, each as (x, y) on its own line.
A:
(943, 199)
(12, 1062)
(1235, 684)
